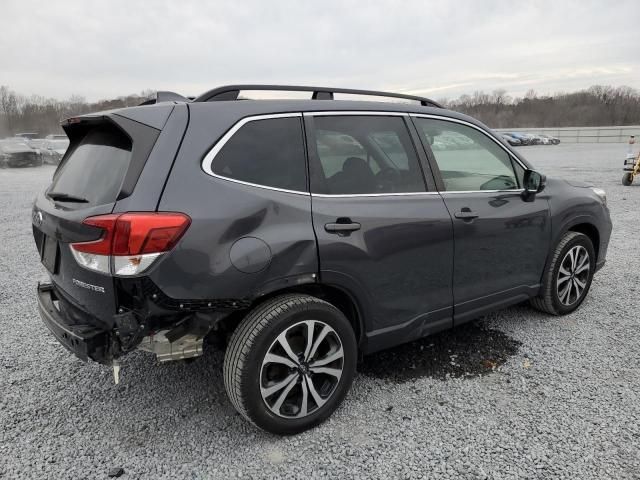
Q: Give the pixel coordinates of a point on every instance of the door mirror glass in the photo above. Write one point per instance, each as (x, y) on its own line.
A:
(534, 182)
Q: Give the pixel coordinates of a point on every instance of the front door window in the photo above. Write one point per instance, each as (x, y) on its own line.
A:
(468, 159)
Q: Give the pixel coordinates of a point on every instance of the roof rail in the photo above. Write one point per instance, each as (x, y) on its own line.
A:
(165, 97)
(231, 92)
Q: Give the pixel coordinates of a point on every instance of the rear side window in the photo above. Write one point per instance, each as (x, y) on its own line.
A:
(95, 168)
(267, 152)
(365, 154)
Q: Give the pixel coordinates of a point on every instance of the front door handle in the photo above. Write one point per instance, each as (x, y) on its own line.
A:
(342, 227)
(466, 214)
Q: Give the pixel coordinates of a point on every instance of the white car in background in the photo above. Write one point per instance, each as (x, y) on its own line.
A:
(549, 140)
(54, 148)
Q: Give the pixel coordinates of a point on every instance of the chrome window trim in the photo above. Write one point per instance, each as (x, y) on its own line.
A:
(519, 190)
(266, 187)
(404, 194)
(392, 194)
(469, 124)
(355, 112)
(207, 161)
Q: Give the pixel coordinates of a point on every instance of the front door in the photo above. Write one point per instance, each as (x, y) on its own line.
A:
(501, 240)
(382, 236)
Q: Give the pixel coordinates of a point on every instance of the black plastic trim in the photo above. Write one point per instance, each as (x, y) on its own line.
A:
(143, 138)
(84, 341)
(151, 291)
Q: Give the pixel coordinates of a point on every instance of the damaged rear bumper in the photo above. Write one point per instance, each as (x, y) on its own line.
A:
(84, 341)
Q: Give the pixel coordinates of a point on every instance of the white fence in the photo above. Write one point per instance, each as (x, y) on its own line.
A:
(583, 134)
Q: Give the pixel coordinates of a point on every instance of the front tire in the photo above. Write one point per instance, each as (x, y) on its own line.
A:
(627, 179)
(567, 279)
(290, 363)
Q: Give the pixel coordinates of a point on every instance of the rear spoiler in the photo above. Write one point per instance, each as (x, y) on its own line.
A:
(166, 97)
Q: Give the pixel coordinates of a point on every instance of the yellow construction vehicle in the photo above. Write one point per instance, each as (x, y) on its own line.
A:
(631, 169)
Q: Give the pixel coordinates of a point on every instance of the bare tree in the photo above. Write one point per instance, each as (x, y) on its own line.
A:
(44, 115)
(596, 106)
(599, 105)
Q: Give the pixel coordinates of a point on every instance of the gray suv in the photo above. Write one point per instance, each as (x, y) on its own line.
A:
(300, 235)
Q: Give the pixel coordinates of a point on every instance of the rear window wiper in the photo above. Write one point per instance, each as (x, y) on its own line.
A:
(65, 197)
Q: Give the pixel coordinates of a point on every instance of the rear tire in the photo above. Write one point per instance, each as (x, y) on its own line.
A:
(568, 276)
(627, 179)
(290, 363)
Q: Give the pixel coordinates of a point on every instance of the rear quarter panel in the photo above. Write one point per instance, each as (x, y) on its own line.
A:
(223, 212)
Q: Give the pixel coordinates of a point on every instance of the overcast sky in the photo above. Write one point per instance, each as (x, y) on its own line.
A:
(103, 49)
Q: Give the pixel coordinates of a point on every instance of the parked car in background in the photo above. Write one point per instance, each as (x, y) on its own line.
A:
(452, 141)
(54, 149)
(550, 140)
(513, 141)
(520, 136)
(16, 152)
(533, 139)
(37, 143)
(27, 136)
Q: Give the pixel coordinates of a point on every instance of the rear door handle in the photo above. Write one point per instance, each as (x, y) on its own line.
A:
(466, 214)
(346, 227)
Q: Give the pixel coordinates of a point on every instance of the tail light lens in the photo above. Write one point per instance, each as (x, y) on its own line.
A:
(131, 242)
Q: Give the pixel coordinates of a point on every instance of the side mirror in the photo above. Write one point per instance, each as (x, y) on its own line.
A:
(534, 183)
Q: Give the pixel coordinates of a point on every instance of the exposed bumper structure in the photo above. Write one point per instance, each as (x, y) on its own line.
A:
(84, 341)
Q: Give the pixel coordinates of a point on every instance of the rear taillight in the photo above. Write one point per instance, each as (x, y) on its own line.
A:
(131, 242)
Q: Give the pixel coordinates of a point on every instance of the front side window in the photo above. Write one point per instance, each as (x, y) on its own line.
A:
(468, 160)
(267, 152)
(365, 154)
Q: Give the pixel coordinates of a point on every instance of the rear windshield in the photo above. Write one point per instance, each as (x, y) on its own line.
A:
(95, 168)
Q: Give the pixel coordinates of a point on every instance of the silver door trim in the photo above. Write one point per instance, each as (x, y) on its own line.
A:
(355, 112)
(207, 161)
(351, 195)
(519, 190)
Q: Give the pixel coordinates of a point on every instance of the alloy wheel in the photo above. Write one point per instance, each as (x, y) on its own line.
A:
(573, 275)
(301, 369)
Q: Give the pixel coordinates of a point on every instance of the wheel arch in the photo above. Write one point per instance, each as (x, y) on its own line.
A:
(591, 231)
(582, 224)
(339, 297)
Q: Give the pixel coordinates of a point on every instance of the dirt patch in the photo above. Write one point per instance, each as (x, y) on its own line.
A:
(466, 351)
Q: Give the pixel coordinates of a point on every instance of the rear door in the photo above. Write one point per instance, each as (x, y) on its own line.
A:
(383, 236)
(102, 164)
(501, 240)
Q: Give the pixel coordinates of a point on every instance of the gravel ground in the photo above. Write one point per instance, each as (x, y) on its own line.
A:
(517, 394)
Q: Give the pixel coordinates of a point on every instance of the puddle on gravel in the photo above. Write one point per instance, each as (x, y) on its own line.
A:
(466, 351)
